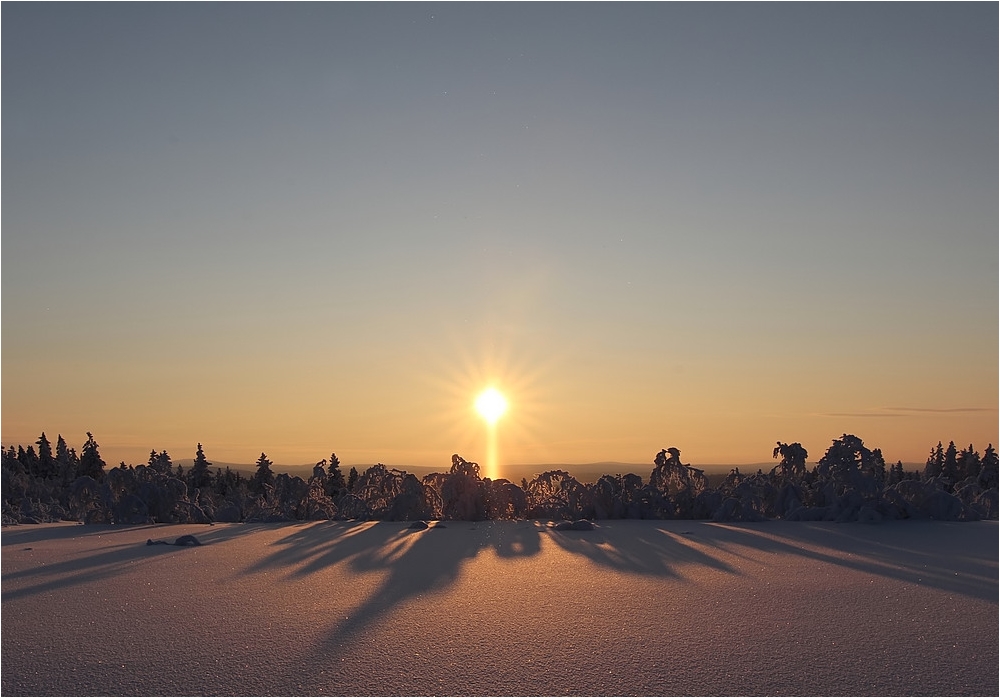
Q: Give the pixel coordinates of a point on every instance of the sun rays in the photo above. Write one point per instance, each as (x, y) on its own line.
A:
(471, 384)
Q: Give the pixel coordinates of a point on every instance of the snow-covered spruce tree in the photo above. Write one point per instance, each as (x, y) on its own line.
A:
(46, 464)
(895, 474)
(935, 462)
(949, 468)
(848, 464)
(91, 463)
(989, 471)
(264, 477)
(199, 476)
(969, 463)
(67, 462)
(335, 484)
(161, 463)
(849, 478)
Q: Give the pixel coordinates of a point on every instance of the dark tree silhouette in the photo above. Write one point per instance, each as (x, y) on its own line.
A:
(46, 467)
(199, 476)
(673, 486)
(969, 463)
(462, 494)
(91, 463)
(392, 494)
(226, 482)
(850, 482)
(896, 474)
(557, 494)
(988, 472)
(793, 459)
(67, 462)
(352, 479)
(11, 463)
(335, 481)
(949, 467)
(319, 470)
(28, 459)
(849, 466)
(504, 500)
(616, 497)
(264, 475)
(161, 463)
(935, 462)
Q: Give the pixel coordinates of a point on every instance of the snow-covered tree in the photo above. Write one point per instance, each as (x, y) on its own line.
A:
(935, 462)
(462, 495)
(949, 467)
(46, 466)
(264, 475)
(91, 463)
(793, 459)
(335, 479)
(969, 463)
(199, 475)
(849, 465)
(989, 472)
(67, 462)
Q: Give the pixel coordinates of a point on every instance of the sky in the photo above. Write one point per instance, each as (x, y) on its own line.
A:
(306, 228)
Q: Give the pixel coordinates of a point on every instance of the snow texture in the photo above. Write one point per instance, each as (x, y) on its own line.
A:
(502, 607)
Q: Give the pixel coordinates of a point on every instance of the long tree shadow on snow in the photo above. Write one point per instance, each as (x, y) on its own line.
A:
(105, 552)
(926, 553)
(951, 556)
(957, 557)
(419, 562)
(659, 548)
(416, 562)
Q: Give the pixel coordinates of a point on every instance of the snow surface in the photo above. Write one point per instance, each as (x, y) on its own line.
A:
(632, 607)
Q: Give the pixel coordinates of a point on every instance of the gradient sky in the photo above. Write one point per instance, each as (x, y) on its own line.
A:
(324, 227)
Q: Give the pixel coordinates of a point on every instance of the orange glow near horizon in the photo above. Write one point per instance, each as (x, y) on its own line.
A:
(561, 409)
(507, 382)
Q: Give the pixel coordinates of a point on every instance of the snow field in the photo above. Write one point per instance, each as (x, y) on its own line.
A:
(492, 608)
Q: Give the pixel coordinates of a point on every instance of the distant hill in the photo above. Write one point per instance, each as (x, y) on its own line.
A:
(584, 472)
(245, 468)
(515, 472)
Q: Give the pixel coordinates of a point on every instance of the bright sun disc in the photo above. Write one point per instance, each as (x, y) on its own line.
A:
(491, 405)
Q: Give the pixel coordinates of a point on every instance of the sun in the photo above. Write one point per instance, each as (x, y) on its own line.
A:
(491, 404)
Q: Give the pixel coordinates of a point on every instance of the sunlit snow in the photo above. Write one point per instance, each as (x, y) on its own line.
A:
(503, 607)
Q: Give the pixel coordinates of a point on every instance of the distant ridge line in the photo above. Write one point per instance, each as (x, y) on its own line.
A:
(584, 472)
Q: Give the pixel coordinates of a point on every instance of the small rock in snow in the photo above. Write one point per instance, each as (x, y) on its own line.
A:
(578, 525)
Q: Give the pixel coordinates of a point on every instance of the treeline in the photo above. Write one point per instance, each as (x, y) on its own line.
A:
(850, 482)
